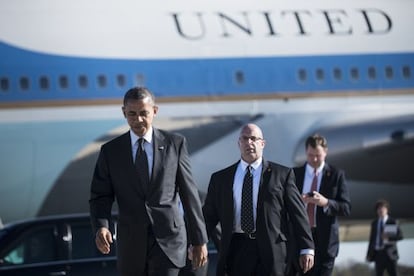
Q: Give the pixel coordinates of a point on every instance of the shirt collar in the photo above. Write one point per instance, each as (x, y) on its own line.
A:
(384, 219)
(310, 170)
(147, 136)
(255, 165)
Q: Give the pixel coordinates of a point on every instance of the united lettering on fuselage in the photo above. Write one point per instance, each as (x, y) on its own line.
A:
(334, 22)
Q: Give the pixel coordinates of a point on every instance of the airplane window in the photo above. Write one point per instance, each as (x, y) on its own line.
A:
(63, 82)
(354, 74)
(406, 71)
(239, 77)
(302, 75)
(320, 75)
(372, 73)
(102, 81)
(389, 73)
(83, 81)
(120, 80)
(337, 74)
(24, 83)
(140, 80)
(44, 83)
(4, 84)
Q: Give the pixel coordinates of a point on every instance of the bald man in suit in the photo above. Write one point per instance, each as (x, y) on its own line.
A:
(147, 170)
(253, 239)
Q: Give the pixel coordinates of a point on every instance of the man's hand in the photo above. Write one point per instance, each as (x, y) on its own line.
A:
(316, 199)
(103, 240)
(199, 255)
(306, 262)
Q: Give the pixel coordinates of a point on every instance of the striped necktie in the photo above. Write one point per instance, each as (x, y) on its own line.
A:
(311, 207)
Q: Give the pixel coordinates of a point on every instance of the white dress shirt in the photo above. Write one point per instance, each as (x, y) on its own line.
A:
(309, 174)
(238, 187)
(147, 146)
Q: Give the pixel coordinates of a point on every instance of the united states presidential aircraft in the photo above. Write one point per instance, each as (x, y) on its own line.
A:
(344, 69)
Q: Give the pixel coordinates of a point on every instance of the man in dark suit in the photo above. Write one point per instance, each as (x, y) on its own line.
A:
(147, 170)
(254, 201)
(382, 247)
(326, 195)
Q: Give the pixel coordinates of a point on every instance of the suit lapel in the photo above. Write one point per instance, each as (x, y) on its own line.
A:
(265, 174)
(159, 150)
(300, 177)
(126, 158)
(326, 178)
(325, 186)
(375, 230)
(227, 193)
(264, 180)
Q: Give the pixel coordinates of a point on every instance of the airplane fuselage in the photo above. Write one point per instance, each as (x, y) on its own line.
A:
(293, 67)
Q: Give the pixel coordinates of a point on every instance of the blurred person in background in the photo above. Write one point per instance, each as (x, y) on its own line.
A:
(384, 234)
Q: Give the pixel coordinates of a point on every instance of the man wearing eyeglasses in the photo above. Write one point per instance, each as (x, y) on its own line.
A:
(256, 202)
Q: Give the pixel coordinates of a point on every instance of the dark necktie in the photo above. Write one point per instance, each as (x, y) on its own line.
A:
(311, 207)
(247, 220)
(141, 163)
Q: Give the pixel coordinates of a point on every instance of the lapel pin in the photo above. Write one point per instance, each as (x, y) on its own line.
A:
(160, 147)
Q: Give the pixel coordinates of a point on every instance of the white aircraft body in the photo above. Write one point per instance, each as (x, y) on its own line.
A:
(344, 69)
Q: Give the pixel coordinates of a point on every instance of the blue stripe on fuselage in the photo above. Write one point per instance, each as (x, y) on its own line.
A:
(200, 77)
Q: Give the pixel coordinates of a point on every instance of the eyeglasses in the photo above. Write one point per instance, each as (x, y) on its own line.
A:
(251, 138)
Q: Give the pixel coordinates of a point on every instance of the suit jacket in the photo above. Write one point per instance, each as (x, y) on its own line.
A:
(156, 207)
(334, 188)
(391, 247)
(278, 201)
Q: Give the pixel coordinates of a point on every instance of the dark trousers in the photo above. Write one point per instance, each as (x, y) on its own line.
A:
(243, 258)
(323, 267)
(158, 264)
(384, 262)
(324, 264)
(189, 271)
